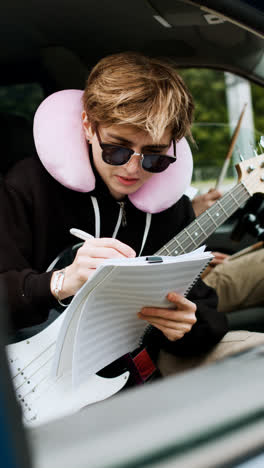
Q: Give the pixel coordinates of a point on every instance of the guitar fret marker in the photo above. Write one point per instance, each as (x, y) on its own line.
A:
(203, 231)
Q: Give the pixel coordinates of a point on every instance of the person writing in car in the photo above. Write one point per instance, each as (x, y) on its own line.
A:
(135, 114)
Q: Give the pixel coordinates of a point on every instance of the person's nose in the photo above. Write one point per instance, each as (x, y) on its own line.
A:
(134, 164)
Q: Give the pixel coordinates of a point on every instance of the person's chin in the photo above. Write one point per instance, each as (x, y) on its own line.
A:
(127, 190)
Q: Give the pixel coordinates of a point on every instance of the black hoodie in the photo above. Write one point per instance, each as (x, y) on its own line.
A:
(36, 214)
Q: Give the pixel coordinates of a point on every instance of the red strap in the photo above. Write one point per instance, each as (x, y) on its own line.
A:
(144, 364)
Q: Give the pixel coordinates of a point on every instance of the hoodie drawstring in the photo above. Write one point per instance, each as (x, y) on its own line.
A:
(121, 217)
(97, 217)
(147, 227)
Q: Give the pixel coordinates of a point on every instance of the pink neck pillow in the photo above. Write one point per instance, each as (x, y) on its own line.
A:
(62, 149)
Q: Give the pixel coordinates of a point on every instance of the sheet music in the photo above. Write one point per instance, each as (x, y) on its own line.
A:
(108, 326)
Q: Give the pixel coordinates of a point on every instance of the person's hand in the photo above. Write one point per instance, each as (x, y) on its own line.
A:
(201, 203)
(89, 256)
(173, 323)
(219, 257)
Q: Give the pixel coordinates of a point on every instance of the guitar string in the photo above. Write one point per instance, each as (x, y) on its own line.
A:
(33, 360)
(25, 381)
(184, 245)
(26, 403)
(198, 224)
(179, 240)
(200, 230)
(19, 389)
(204, 216)
(201, 234)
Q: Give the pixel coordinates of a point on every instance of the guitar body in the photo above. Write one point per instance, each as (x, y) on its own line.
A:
(43, 396)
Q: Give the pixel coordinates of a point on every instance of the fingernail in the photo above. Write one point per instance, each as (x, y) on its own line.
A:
(171, 295)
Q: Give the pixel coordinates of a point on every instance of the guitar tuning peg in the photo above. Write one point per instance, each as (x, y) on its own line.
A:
(241, 157)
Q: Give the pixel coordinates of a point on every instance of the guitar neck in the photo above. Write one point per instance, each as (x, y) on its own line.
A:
(202, 227)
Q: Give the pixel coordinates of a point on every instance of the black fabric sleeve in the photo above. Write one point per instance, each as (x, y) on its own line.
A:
(209, 329)
(28, 291)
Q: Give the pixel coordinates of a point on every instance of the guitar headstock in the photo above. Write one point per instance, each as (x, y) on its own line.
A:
(251, 173)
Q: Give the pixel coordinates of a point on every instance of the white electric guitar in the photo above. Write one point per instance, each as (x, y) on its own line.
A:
(45, 395)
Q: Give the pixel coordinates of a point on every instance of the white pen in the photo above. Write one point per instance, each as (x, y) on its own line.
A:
(81, 234)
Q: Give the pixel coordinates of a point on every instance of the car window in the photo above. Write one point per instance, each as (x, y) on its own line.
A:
(213, 125)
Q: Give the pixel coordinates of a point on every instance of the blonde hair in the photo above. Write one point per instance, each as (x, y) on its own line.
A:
(131, 89)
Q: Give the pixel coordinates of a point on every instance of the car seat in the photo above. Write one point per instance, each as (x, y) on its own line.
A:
(16, 138)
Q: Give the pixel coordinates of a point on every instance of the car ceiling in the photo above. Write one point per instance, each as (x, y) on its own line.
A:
(59, 40)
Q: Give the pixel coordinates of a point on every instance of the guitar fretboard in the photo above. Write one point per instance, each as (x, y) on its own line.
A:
(203, 226)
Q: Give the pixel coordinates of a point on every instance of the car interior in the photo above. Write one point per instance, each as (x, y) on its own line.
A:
(51, 46)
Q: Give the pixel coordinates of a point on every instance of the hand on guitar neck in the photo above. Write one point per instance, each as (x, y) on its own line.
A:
(202, 202)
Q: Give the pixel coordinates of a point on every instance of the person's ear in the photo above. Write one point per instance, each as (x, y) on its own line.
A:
(87, 126)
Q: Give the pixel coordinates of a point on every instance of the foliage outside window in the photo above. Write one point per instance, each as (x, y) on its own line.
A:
(211, 128)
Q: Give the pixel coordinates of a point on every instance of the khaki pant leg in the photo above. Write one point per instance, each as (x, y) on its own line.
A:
(239, 283)
(232, 343)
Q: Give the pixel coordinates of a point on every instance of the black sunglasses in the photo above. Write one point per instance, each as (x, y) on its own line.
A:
(119, 155)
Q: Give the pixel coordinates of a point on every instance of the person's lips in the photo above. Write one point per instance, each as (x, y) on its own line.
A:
(127, 180)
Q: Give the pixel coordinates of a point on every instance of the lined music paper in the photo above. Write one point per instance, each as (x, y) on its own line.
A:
(108, 326)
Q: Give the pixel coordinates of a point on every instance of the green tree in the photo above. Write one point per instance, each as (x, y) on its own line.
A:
(210, 129)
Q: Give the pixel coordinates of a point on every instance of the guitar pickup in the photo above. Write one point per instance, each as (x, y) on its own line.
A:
(154, 259)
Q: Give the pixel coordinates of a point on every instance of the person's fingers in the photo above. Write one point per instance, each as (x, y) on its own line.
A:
(115, 244)
(183, 327)
(210, 203)
(219, 258)
(85, 263)
(100, 252)
(220, 255)
(177, 316)
(216, 261)
(172, 335)
(213, 194)
(181, 302)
